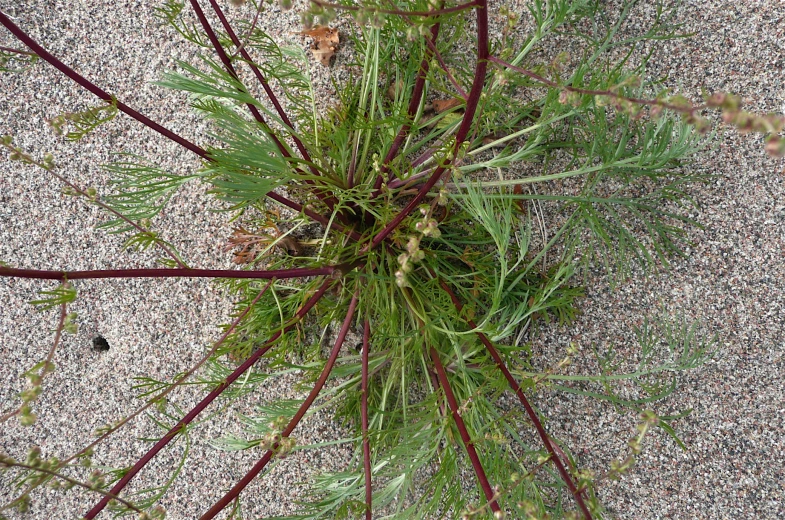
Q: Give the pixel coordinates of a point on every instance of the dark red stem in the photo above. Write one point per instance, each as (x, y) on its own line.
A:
(397, 12)
(414, 102)
(364, 420)
(102, 94)
(263, 81)
(468, 117)
(516, 387)
(45, 274)
(432, 46)
(638, 101)
(259, 466)
(190, 416)
(465, 437)
(327, 199)
(17, 51)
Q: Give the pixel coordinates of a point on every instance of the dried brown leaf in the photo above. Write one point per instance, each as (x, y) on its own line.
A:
(441, 105)
(325, 43)
(250, 245)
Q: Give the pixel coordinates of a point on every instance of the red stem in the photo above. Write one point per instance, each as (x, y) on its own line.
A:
(259, 466)
(190, 416)
(397, 12)
(17, 51)
(102, 94)
(263, 81)
(327, 199)
(364, 420)
(516, 387)
(638, 101)
(463, 130)
(432, 46)
(414, 102)
(465, 437)
(45, 274)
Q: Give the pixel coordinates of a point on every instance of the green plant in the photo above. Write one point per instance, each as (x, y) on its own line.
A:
(424, 235)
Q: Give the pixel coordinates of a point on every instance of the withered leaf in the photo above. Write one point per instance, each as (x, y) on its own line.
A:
(492, 139)
(518, 190)
(325, 43)
(290, 245)
(441, 105)
(249, 243)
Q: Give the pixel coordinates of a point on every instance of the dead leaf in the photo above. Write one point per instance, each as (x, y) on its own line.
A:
(290, 245)
(440, 105)
(252, 244)
(325, 43)
(518, 190)
(394, 89)
(490, 139)
(249, 243)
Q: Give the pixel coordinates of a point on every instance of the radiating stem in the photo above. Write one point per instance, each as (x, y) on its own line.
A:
(263, 81)
(259, 466)
(46, 274)
(398, 12)
(638, 101)
(190, 416)
(45, 370)
(465, 437)
(411, 111)
(326, 198)
(516, 387)
(466, 124)
(72, 481)
(102, 94)
(432, 46)
(156, 398)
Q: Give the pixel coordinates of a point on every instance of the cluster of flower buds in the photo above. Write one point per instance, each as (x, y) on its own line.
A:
(648, 420)
(285, 446)
(26, 415)
(770, 124)
(427, 227)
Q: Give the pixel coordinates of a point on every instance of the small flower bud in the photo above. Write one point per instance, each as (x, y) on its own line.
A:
(413, 245)
(27, 419)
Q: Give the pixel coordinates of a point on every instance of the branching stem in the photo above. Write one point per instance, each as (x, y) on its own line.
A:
(45, 370)
(465, 437)
(53, 473)
(317, 387)
(398, 12)
(45, 274)
(190, 416)
(516, 387)
(466, 124)
(610, 93)
(99, 92)
(227, 62)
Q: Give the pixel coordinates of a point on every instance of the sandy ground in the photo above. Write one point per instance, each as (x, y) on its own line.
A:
(732, 280)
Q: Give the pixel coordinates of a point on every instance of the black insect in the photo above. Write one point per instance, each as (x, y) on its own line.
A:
(100, 344)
